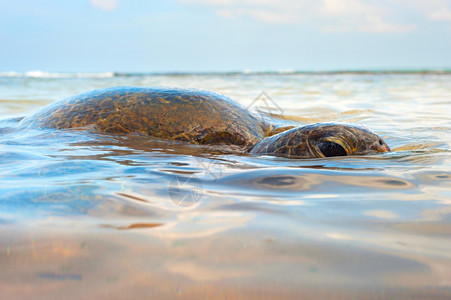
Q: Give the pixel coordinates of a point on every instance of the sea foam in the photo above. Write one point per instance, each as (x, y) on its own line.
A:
(43, 74)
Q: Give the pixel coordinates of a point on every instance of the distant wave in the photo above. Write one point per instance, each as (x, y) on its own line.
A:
(372, 72)
(290, 72)
(43, 74)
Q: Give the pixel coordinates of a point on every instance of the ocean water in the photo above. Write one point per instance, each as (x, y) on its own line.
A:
(99, 216)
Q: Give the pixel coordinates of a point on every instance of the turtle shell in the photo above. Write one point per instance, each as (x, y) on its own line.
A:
(195, 116)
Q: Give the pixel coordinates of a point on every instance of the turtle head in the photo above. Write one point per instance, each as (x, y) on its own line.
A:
(322, 140)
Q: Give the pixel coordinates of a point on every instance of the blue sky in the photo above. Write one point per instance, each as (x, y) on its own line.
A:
(223, 35)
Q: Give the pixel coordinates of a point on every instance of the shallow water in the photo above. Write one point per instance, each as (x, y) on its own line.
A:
(129, 216)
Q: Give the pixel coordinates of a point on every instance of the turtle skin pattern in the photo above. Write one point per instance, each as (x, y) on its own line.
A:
(322, 140)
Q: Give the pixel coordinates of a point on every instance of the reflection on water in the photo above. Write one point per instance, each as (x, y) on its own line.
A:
(129, 216)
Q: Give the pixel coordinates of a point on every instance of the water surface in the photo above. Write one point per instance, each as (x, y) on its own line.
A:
(129, 216)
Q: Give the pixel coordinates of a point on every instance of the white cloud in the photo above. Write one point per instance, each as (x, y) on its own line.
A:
(235, 2)
(440, 15)
(434, 10)
(107, 5)
(375, 24)
(381, 214)
(438, 11)
(269, 11)
(358, 16)
(263, 15)
(346, 8)
(274, 17)
(384, 16)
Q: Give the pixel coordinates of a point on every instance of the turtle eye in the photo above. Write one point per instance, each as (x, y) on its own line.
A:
(331, 149)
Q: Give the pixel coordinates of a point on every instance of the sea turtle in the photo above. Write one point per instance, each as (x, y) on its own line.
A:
(201, 117)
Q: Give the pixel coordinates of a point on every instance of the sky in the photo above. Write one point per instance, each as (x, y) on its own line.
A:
(223, 35)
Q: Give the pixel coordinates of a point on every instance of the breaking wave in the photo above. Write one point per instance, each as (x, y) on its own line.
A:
(43, 74)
